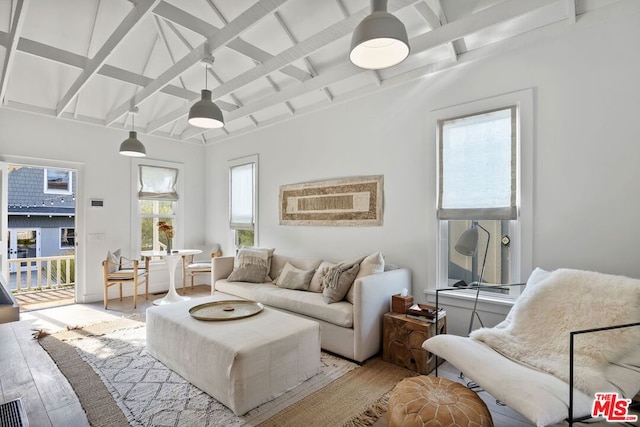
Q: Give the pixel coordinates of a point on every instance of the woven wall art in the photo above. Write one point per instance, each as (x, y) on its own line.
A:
(353, 201)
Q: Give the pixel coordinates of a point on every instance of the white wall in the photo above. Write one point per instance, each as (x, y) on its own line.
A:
(586, 156)
(103, 174)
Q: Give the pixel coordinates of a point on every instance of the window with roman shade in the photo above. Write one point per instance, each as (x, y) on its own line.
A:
(158, 183)
(477, 166)
(242, 210)
(157, 191)
(243, 194)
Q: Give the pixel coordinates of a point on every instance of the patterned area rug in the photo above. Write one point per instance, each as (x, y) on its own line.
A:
(118, 383)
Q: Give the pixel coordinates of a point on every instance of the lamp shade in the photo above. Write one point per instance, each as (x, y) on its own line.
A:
(379, 41)
(132, 146)
(467, 243)
(206, 114)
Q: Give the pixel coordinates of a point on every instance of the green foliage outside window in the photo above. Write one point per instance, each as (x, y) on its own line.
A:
(152, 212)
(245, 237)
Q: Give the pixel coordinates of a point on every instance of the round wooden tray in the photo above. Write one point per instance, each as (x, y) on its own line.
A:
(225, 310)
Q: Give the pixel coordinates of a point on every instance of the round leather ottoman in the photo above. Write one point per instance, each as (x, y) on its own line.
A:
(435, 402)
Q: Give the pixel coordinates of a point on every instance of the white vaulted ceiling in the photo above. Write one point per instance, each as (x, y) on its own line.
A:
(91, 60)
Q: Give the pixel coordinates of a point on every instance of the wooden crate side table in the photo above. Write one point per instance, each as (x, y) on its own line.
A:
(402, 342)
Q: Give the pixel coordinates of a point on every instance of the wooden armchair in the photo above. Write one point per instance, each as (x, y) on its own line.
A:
(118, 270)
(192, 266)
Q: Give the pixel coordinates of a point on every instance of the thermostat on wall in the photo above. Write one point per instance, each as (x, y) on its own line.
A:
(97, 203)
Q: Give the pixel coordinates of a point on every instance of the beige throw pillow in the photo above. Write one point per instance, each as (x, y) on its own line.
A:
(294, 278)
(338, 280)
(318, 276)
(113, 258)
(269, 252)
(373, 264)
(251, 265)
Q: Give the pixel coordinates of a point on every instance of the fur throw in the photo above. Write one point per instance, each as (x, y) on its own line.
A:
(536, 332)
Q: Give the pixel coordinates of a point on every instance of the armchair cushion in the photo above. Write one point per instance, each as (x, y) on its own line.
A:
(113, 260)
(204, 266)
(125, 273)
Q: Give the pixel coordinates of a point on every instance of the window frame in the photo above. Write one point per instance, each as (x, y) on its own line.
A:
(48, 190)
(520, 230)
(252, 159)
(72, 246)
(136, 215)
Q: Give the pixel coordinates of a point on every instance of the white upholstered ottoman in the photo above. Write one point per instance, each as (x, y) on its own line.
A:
(241, 363)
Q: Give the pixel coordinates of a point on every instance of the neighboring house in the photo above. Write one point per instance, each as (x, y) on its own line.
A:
(41, 214)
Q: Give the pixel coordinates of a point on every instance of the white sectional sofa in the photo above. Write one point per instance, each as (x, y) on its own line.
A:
(352, 330)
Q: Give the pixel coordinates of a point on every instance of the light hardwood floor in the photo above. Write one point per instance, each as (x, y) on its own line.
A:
(27, 372)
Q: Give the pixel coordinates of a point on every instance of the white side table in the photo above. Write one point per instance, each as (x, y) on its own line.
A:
(172, 261)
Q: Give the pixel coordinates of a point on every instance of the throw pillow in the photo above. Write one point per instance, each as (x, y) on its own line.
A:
(294, 278)
(373, 264)
(338, 280)
(113, 258)
(250, 265)
(318, 276)
(269, 251)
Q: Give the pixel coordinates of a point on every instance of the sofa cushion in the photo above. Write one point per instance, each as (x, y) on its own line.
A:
(304, 263)
(373, 264)
(251, 265)
(316, 281)
(310, 304)
(294, 278)
(338, 280)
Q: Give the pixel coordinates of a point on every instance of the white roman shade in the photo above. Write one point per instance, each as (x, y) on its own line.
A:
(477, 166)
(157, 183)
(242, 209)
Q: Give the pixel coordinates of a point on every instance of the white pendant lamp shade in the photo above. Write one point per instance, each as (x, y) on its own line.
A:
(132, 146)
(380, 40)
(206, 114)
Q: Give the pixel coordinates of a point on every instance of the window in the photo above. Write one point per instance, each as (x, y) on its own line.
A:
(480, 190)
(242, 201)
(58, 181)
(157, 195)
(67, 237)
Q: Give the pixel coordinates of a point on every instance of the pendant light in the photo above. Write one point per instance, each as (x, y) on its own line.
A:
(132, 146)
(380, 40)
(204, 113)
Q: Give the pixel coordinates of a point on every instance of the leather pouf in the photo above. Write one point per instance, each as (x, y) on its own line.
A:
(435, 402)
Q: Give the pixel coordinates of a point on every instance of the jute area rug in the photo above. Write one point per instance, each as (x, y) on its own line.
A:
(119, 384)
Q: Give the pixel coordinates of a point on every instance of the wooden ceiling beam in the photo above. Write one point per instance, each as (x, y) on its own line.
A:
(12, 44)
(298, 51)
(501, 12)
(43, 51)
(197, 25)
(244, 21)
(436, 20)
(131, 21)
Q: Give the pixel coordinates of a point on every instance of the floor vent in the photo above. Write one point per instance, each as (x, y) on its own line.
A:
(12, 414)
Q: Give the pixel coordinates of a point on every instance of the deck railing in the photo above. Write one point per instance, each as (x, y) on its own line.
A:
(51, 272)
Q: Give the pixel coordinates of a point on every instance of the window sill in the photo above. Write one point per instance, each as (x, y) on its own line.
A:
(465, 298)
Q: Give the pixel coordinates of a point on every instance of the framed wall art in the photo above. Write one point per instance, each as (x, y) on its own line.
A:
(353, 201)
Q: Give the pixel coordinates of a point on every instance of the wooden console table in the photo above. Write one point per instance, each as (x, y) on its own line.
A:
(402, 342)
